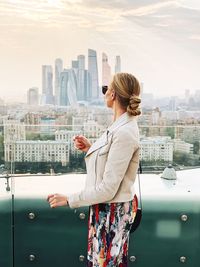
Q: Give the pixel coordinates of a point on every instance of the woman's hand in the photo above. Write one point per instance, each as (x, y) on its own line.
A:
(81, 143)
(57, 200)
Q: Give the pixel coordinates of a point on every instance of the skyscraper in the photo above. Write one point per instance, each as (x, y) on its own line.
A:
(47, 85)
(93, 73)
(141, 89)
(72, 87)
(106, 70)
(81, 62)
(87, 90)
(75, 68)
(33, 96)
(81, 84)
(187, 93)
(58, 70)
(173, 103)
(63, 97)
(75, 64)
(117, 64)
(81, 78)
(68, 87)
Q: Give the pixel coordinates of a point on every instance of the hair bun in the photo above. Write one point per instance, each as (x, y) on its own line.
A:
(133, 106)
(127, 89)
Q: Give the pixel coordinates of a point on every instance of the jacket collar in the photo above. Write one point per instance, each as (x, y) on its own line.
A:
(121, 120)
(103, 140)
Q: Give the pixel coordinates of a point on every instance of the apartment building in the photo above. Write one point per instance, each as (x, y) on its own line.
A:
(156, 148)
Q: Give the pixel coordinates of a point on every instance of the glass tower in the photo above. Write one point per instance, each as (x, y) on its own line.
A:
(117, 64)
(93, 74)
(58, 70)
(68, 88)
(106, 70)
(47, 85)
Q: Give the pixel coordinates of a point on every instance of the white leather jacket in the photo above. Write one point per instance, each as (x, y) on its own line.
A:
(112, 164)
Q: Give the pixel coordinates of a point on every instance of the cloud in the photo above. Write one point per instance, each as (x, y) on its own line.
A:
(155, 38)
(170, 19)
(121, 4)
(49, 12)
(149, 9)
(161, 25)
(195, 37)
(191, 4)
(179, 20)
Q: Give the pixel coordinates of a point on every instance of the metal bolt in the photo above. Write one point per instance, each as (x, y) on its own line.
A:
(81, 258)
(132, 258)
(183, 259)
(31, 257)
(82, 216)
(31, 215)
(184, 217)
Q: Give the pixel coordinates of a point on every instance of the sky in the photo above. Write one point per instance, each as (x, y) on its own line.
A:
(158, 41)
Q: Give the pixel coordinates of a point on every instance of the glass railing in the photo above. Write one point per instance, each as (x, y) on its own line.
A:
(176, 145)
(49, 149)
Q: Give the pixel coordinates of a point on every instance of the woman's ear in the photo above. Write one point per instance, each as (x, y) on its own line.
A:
(113, 95)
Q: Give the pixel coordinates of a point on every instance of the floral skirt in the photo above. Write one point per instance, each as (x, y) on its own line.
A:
(108, 233)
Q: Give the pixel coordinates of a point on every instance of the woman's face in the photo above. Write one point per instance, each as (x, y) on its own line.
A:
(109, 97)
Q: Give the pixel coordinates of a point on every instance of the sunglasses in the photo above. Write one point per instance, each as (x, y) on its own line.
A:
(104, 89)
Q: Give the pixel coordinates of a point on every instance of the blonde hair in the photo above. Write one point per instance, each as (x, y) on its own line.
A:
(127, 89)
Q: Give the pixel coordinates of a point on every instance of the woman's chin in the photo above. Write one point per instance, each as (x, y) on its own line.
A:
(109, 105)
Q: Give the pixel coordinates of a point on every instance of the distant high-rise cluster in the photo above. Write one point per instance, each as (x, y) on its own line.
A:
(75, 84)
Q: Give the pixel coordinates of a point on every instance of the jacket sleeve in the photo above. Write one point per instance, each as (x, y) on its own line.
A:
(121, 151)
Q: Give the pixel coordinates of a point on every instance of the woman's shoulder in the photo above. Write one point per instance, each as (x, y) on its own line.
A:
(127, 131)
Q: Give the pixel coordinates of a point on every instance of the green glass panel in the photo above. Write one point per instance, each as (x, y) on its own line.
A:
(162, 237)
(56, 237)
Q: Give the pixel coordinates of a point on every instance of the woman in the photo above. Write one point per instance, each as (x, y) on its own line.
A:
(112, 163)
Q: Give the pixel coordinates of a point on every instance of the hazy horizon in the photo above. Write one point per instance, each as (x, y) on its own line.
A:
(158, 41)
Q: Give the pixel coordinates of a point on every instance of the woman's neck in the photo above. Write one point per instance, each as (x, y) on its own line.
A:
(118, 110)
(118, 113)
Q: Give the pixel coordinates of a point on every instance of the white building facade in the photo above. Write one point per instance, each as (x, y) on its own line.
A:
(182, 146)
(37, 151)
(156, 149)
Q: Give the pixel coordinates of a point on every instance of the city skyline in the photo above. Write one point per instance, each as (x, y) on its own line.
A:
(158, 41)
(80, 82)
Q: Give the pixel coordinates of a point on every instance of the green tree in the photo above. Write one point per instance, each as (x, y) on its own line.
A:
(170, 131)
(77, 162)
(181, 158)
(1, 149)
(37, 136)
(196, 147)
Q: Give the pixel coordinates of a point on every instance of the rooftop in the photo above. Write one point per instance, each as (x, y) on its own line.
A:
(152, 185)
